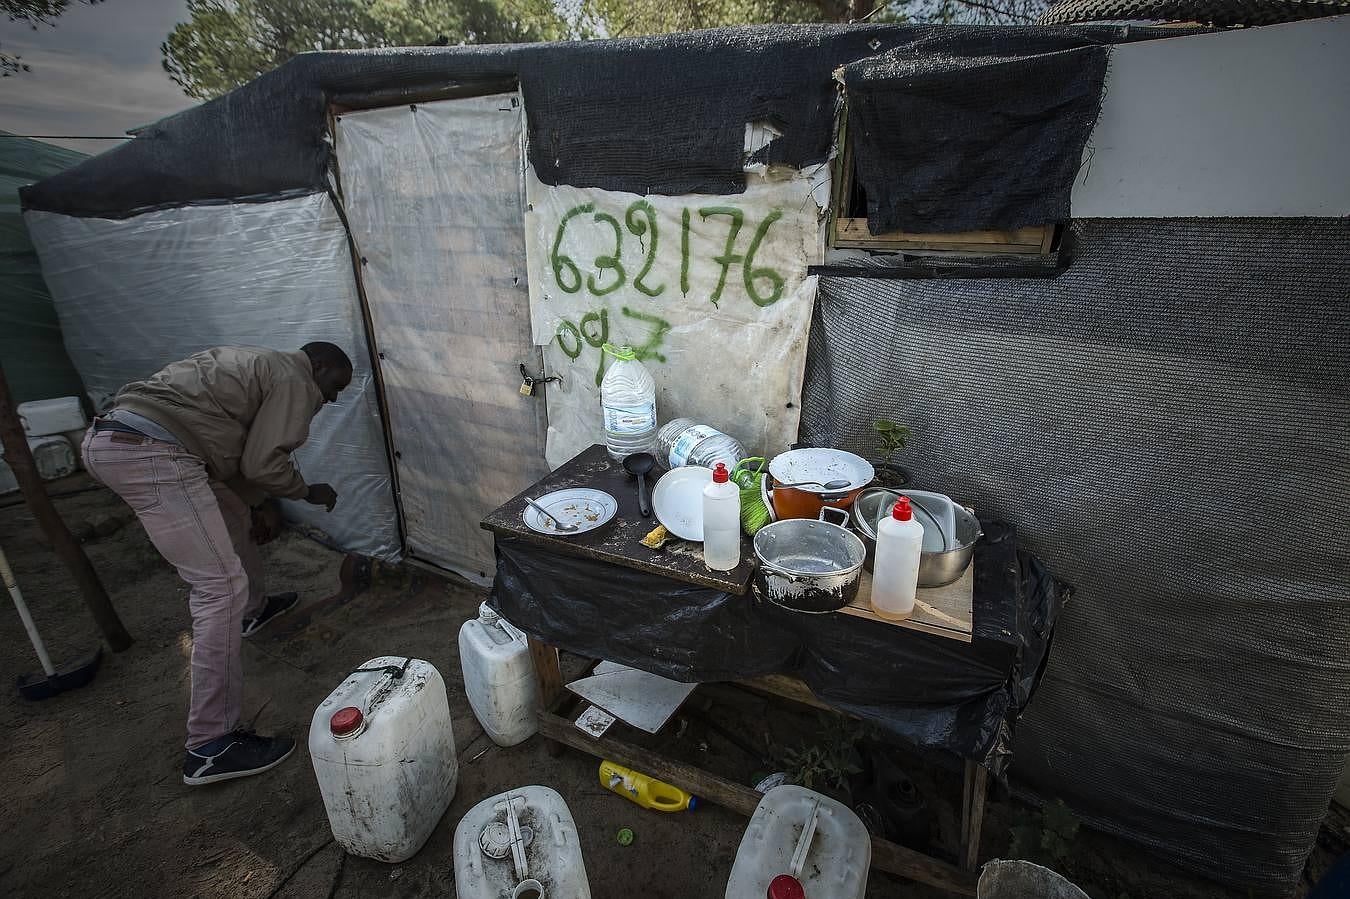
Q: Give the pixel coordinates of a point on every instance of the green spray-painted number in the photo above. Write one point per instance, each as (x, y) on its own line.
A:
(750, 274)
(608, 263)
(729, 256)
(639, 228)
(593, 331)
(597, 339)
(657, 337)
(566, 327)
(641, 220)
(563, 263)
(684, 252)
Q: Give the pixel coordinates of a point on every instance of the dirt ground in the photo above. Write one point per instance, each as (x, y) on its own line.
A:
(96, 806)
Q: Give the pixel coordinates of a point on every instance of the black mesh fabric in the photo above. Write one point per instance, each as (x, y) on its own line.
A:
(659, 115)
(1166, 425)
(955, 134)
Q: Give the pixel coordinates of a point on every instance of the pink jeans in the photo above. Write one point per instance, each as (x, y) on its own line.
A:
(201, 527)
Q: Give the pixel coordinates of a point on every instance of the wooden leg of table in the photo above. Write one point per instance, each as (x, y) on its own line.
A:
(967, 788)
(978, 789)
(548, 673)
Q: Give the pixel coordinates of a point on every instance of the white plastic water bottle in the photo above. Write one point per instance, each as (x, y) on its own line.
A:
(895, 574)
(721, 521)
(628, 396)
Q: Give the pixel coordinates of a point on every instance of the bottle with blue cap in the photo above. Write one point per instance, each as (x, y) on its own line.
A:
(646, 791)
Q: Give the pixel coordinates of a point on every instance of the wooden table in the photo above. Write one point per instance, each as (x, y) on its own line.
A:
(945, 613)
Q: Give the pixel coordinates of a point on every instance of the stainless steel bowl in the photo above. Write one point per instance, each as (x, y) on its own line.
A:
(936, 569)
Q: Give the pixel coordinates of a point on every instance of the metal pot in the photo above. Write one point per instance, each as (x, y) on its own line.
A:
(808, 565)
(936, 569)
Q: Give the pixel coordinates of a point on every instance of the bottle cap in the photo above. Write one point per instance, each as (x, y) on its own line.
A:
(902, 511)
(720, 473)
(693, 803)
(785, 886)
(346, 721)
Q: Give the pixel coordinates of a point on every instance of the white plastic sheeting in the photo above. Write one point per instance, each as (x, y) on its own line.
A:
(712, 291)
(135, 294)
(433, 195)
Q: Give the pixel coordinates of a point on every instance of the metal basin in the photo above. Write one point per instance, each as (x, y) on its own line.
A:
(936, 569)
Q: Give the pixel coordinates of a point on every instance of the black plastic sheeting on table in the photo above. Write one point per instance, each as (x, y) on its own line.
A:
(656, 115)
(934, 692)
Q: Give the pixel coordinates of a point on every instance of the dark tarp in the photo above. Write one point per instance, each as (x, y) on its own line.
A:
(953, 134)
(34, 357)
(660, 115)
(934, 692)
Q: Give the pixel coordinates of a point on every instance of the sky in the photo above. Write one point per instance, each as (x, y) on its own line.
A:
(97, 72)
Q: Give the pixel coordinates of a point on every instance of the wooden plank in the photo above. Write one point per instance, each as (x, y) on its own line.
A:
(978, 794)
(853, 232)
(547, 671)
(619, 541)
(785, 687)
(886, 856)
(942, 611)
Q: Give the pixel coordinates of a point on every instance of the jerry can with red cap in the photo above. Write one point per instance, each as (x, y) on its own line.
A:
(801, 844)
(384, 756)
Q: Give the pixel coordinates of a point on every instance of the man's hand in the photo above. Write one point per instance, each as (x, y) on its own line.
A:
(321, 495)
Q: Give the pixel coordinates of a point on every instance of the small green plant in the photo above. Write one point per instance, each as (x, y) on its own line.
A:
(891, 438)
(827, 763)
(1048, 833)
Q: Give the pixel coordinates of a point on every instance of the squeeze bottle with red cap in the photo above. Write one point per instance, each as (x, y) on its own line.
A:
(721, 521)
(895, 574)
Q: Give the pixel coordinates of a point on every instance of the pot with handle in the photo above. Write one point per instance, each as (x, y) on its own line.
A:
(800, 478)
(808, 565)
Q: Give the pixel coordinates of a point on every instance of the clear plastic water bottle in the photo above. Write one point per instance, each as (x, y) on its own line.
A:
(685, 442)
(628, 397)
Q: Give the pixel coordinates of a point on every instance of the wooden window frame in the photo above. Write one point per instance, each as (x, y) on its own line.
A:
(847, 233)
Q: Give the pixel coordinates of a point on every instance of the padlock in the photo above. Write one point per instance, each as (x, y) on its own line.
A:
(527, 386)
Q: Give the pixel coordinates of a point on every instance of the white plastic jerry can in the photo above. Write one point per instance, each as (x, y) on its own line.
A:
(499, 677)
(799, 834)
(384, 755)
(521, 844)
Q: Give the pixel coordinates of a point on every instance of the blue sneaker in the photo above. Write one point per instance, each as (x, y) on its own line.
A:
(239, 754)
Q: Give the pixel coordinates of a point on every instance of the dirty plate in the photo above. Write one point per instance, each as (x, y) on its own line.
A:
(678, 501)
(586, 508)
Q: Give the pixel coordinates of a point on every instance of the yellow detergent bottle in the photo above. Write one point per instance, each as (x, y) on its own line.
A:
(647, 792)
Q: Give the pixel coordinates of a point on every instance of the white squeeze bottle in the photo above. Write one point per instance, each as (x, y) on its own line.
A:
(721, 521)
(628, 397)
(895, 574)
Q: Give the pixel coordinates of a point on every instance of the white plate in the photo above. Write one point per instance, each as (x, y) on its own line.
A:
(586, 508)
(823, 466)
(678, 501)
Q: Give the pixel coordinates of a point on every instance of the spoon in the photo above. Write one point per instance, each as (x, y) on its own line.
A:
(839, 484)
(638, 465)
(562, 526)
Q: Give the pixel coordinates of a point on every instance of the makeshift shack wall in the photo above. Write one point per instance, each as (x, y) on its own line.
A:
(1165, 423)
(36, 364)
(137, 293)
